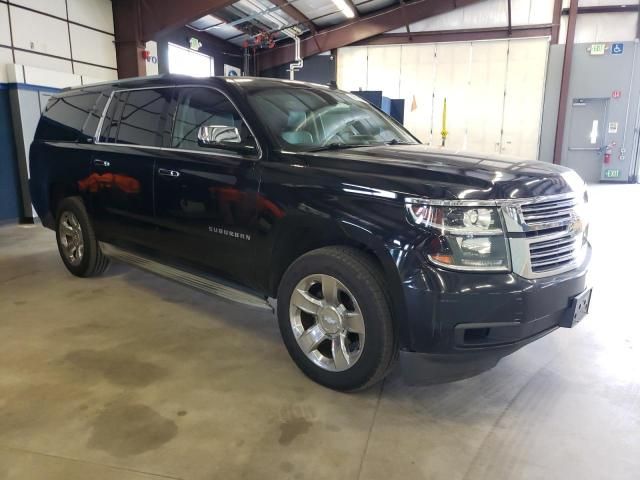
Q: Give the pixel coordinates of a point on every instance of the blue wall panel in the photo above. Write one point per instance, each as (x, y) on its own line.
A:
(374, 97)
(9, 194)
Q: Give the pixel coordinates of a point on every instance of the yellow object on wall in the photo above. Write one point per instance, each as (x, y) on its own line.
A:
(444, 132)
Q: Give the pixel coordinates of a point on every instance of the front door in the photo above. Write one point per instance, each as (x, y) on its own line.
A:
(587, 137)
(120, 186)
(206, 193)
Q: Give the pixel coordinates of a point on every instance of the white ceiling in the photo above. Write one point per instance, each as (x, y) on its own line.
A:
(262, 15)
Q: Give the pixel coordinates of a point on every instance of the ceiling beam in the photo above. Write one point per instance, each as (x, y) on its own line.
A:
(161, 16)
(138, 21)
(604, 9)
(404, 17)
(359, 29)
(294, 13)
(557, 14)
(564, 83)
(471, 35)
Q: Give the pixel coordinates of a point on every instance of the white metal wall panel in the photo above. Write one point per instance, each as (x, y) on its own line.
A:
(91, 46)
(490, 13)
(39, 33)
(446, 21)
(52, 7)
(43, 61)
(383, 72)
(39, 76)
(42, 41)
(531, 12)
(5, 37)
(526, 72)
(494, 90)
(352, 68)
(5, 58)
(606, 27)
(93, 13)
(95, 72)
(416, 87)
(451, 82)
(486, 96)
(600, 3)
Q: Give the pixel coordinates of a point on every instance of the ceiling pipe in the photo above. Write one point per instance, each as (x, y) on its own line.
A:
(299, 63)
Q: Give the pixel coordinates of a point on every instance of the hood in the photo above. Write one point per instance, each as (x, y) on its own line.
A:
(430, 172)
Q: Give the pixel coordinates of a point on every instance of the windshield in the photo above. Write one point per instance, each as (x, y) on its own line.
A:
(309, 119)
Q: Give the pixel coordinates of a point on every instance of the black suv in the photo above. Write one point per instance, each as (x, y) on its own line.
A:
(373, 244)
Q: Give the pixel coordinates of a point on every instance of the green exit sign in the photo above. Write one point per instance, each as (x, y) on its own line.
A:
(598, 48)
(612, 173)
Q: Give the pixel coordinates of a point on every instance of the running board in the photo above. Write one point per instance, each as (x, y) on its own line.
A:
(199, 282)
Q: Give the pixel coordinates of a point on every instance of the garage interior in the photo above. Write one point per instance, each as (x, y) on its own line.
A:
(132, 376)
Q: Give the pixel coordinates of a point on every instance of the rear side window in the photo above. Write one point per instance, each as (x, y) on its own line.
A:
(136, 117)
(65, 116)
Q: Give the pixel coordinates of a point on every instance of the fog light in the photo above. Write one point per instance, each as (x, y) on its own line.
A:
(479, 246)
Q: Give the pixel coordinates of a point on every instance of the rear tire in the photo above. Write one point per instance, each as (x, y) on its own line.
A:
(77, 243)
(335, 318)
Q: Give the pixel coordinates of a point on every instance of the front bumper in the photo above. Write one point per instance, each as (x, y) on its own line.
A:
(458, 317)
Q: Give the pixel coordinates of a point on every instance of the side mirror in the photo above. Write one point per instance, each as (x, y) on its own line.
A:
(218, 135)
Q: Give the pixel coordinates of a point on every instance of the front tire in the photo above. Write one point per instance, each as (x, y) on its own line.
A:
(77, 243)
(335, 318)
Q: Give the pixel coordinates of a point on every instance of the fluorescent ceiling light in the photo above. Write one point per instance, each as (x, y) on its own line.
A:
(344, 7)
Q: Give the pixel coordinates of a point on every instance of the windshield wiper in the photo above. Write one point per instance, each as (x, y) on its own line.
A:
(338, 146)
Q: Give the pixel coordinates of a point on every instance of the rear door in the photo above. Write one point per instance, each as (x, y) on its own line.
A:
(120, 186)
(207, 196)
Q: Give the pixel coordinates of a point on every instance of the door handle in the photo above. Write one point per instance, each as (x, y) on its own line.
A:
(101, 163)
(168, 173)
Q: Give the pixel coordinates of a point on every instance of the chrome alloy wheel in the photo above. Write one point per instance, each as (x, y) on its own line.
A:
(327, 322)
(71, 238)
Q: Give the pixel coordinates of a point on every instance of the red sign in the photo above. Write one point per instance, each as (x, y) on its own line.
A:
(616, 94)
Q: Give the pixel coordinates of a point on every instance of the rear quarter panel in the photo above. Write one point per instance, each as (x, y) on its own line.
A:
(57, 169)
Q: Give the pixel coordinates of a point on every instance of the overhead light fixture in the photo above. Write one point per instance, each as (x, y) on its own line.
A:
(345, 8)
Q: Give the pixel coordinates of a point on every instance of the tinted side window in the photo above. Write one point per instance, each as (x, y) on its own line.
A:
(91, 123)
(199, 107)
(110, 122)
(65, 116)
(136, 117)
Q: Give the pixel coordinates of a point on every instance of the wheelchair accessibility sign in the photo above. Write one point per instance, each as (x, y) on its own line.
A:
(617, 48)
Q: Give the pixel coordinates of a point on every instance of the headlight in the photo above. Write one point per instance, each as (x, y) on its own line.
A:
(469, 238)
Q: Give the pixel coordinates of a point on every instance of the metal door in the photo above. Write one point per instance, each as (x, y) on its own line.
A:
(206, 197)
(119, 189)
(587, 137)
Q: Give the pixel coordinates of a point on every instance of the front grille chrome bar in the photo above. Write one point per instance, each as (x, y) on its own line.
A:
(546, 234)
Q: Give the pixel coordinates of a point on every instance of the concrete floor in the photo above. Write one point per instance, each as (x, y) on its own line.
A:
(130, 376)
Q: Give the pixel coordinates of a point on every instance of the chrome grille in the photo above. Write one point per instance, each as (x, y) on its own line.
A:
(555, 253)
(548, 212)
(546, 234)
